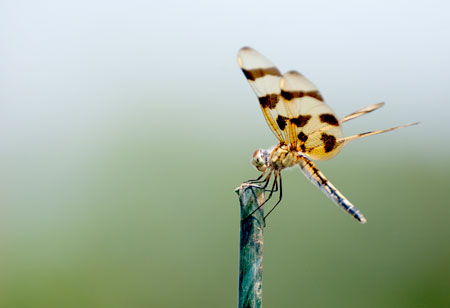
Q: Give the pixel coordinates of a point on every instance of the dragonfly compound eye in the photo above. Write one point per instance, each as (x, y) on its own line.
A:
(258, 160)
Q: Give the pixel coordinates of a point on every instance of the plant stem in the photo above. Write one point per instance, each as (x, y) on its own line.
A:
(251, 246)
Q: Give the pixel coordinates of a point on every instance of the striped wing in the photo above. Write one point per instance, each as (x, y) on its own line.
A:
(295, 109)
(313, 126)
(265, 78)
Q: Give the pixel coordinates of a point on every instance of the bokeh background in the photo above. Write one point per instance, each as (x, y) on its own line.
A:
(126, 125)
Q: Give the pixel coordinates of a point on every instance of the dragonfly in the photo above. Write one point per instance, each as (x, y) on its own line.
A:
(306, 128)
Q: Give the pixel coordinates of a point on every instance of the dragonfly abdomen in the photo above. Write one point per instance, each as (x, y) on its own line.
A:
(319, 179)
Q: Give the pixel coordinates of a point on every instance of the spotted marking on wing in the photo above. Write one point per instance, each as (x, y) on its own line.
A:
(301, 120)
(269, 101)
(329, 142)
(329, 118)
(302, 137)
(282, 122)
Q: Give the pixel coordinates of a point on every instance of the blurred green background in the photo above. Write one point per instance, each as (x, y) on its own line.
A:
(126, 126)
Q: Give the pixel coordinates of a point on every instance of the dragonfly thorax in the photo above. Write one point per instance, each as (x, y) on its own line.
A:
(282, 156)
(278, 158)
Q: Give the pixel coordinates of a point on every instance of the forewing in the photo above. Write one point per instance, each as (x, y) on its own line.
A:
(313, 126)
(265, 78)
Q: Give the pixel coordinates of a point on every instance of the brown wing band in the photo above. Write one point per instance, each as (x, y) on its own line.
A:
(289, 95)
(260, 72)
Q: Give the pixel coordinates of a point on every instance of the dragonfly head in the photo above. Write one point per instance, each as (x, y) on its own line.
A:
(260, 159)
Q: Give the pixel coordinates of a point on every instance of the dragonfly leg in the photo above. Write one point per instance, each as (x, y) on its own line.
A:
(258, 179)
(272, 190)
(279, 200)
(255, 180)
